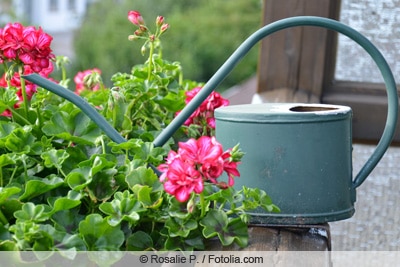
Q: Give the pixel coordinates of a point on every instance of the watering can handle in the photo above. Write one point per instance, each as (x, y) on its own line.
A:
(234, 59)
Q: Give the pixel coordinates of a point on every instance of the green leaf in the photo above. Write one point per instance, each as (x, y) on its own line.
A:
(178, 227)
(143, 176)
(9, 206)
(125, 146)
(79, 178)
(5, 160)
(147, 197)
(74, 126)
(63, 240)
(99, 235)
(54, 158)
(8, 245)
(35, 188)
(139, 241)
(255, 197)
(103, 185)
(32, 212)
(68, 220)
(6, 128)
(122, 208)
(217, 223)
(6, 192)
(20, 140)
(62, 203)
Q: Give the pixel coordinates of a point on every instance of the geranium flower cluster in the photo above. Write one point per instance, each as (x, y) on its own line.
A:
(89, 79)
(29, 49)
(136, 18)
(203, 116)
(27, 45)
(196, 162)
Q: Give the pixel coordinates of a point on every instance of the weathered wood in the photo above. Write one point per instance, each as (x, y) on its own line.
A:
(292, 58)
(280, 246)
(279, 238)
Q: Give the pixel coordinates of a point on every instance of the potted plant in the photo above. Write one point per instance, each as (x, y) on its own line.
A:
(67, 186)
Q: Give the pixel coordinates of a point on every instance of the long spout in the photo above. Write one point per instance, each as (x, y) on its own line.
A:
(79, 102)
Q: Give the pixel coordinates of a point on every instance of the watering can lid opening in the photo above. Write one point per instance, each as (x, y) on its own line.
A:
(282, 112)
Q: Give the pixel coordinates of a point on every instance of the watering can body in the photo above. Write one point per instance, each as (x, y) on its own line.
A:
(300, 154)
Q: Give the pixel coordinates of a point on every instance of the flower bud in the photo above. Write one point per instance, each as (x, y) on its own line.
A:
(135, 17)
(159, 21)
(132, 37)
(143, 28)
(143, 50)
(164, 27)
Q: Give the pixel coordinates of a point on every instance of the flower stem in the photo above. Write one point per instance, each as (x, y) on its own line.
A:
(151, 53)
(202, 205)
(23, 90)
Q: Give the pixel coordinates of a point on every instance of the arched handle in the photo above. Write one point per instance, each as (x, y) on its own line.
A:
(242, 50)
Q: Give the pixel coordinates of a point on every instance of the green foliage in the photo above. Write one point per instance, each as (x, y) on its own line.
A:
(203, 35)
(65, 186)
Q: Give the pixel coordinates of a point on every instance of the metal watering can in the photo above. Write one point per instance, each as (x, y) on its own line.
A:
(300, 154)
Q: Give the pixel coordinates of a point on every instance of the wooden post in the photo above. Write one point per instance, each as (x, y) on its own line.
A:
(294, 63)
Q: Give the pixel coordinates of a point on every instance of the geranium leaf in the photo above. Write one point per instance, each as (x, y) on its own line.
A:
(5, 160)
(178, 227)
(79, 178)
(54, 158)
(6, 192)
(143, 176)
(32, 212)
(103, 184)
(75, 127)
(9, 206)
(139, 241)
(237, 232)
(122, 208)
(5, 129)
(99, 235)
(68, 219)
(215, 222)
(8, 245)
(35, 188)
(20, 140)
(62, 203)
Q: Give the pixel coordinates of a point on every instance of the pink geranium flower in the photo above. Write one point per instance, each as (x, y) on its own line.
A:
(183, 179)
(203, 116)
(82, 84)
(196, 162)
(28, 45)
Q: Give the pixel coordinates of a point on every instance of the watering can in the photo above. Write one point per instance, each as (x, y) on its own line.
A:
(300, 154)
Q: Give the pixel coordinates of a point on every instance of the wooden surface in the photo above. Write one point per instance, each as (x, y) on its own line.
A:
(279, 246)
(269, 238)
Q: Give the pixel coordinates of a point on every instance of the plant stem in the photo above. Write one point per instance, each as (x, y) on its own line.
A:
(150, 59)
(202, 205)
(19, 116)
(23, 90)
(39, 117)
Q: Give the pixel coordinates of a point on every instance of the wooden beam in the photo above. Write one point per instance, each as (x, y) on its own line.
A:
(295, 58)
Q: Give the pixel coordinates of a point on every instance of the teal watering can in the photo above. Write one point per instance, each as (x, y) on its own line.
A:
(300, 154)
